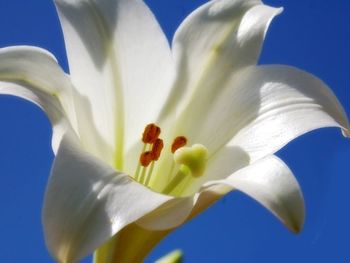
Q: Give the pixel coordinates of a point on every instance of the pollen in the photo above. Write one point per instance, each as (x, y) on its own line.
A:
(157, 149)
(151, 133)
(146, 158)
(179, 142)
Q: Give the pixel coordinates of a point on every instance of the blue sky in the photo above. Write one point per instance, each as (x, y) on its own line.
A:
(310, 34)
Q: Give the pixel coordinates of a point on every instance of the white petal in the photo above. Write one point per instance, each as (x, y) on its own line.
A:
(87, 202)
(120, 60)
(179, 210)
(224, 162)
(169, 215)
(33, 74)
(270, 105)
(269, 181)
(261, 108)
(216, 40)
(272, 184)
(281, 103)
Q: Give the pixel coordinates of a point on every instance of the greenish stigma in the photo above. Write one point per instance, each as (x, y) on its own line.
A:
(195, 158)
(192, 161)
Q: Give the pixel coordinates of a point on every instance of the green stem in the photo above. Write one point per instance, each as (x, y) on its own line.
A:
(130, 245)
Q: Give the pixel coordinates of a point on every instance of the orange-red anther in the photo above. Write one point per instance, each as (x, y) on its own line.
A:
(157, 149)
(179, 142)
(146, 158)
(151, 133)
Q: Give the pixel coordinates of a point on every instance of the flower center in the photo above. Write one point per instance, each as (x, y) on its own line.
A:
(186, 162)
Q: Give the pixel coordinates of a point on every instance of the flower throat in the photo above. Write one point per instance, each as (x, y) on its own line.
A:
(187, 161)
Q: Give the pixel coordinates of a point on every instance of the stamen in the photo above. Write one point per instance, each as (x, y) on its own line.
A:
(150, 139)
(148, 176)
(143, 173)
(138, 168)
(179, 142)
(157, 149)
(151, 133)
(146, 158)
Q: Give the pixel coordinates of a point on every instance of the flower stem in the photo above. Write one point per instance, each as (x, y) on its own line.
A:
(131, 245)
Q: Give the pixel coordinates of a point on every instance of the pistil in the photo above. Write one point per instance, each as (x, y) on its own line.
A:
(192, 161)
(156, 151)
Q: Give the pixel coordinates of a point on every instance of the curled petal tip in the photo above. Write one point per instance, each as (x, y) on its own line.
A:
(295, 217)
(297, 229)
(296, 226)
(346, 132)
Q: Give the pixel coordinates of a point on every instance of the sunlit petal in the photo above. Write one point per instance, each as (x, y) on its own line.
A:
(213, 42)
(290, 103)
(262, 108)
(271, 183)
(87, 202)
(120, 62)
(222, 163)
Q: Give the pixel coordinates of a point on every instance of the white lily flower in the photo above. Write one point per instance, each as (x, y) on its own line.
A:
(221, 119)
